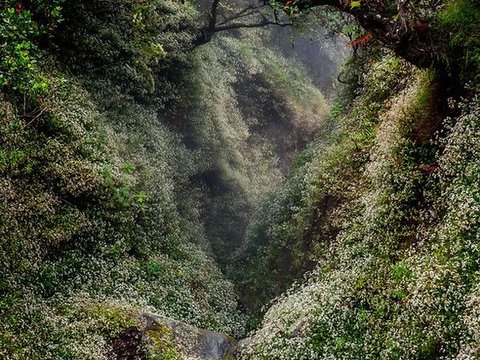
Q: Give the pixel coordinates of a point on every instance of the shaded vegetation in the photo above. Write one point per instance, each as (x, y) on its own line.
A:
(139, 171)
(125, 164)
(381, 214)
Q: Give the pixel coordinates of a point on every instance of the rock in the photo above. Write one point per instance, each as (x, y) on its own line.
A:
(194, 342)
(164, 333)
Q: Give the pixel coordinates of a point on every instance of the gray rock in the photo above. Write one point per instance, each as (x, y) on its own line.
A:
(194, 343)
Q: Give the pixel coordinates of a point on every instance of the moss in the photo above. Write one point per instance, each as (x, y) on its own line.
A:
(164, 347)
(160, 334)
(111, 319)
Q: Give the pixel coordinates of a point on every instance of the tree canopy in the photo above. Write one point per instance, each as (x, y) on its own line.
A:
(401, 25)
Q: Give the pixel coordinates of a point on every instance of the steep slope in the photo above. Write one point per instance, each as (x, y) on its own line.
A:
(129, 162)
(137, 169)
(370, 250)
(384, 213)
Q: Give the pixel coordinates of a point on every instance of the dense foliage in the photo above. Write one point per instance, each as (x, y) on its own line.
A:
(138, 171)
(90, 225)
(383, 211)
(126, 160)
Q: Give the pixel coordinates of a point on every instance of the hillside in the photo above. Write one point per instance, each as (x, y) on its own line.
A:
(313, 199)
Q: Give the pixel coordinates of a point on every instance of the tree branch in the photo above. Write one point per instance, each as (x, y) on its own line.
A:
(406, 34)
(250, 25)
(250, 10)
(231, 22)
(213, 14)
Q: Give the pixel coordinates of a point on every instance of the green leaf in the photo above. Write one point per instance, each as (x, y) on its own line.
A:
(355, 4)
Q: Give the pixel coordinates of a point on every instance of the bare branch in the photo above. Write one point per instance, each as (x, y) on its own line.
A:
(231, 22)
(250, 25)
(213, 15)
(250, 10)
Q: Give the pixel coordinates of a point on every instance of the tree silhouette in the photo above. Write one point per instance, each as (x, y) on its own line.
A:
(253, 15)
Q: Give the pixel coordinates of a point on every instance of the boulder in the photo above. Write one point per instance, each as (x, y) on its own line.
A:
(166, 334)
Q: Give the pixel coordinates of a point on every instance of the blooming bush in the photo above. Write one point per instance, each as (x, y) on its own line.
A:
(397, 279)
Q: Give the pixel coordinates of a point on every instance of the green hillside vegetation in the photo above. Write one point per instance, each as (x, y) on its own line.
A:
(218, 186)
(381, 214)
(122, 152)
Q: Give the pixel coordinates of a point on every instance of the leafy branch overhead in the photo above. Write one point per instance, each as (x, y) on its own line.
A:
(400, 25)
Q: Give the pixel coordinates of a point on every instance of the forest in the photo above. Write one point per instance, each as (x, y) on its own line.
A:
(239, 179)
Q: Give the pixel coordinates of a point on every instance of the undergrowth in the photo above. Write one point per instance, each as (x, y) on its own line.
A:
(388, 215)
(126, 161)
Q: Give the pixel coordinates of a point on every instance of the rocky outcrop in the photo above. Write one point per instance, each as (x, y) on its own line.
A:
(166, 334)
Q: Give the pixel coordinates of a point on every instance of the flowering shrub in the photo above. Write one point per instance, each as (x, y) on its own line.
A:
(108, 204)
(397, 280)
